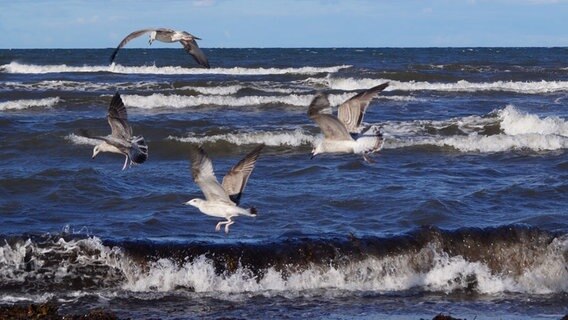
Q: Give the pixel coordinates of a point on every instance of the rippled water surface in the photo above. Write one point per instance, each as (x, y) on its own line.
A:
(463, 211)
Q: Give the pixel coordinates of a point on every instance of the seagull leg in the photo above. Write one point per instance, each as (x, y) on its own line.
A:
(125, 163)
(230, 222)
(218, 226)
(368, 159)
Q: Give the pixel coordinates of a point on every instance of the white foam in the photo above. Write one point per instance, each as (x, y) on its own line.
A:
(437, 271)
(528, 87)
(520, 131)
(80, 140)
(218, 90)
(292, 138)
(159, 100)
(15, 67)
(387, 274)
(64, 85)
(25, 103)
(515, 122)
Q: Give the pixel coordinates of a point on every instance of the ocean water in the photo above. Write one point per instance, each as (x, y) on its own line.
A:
(464, 211)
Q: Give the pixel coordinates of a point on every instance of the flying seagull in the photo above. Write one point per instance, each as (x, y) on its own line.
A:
(222, 200)
(168, 35)
(339, 131)
(121, 139)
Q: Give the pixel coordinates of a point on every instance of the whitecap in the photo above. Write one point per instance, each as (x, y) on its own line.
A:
(29, 103)
(15, 67)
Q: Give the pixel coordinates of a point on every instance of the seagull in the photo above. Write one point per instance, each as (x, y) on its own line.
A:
(222, 200)
(168, 35)
(121, 139)
(339, 132)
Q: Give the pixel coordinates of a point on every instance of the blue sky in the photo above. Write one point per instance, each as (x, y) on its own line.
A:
(287, 23)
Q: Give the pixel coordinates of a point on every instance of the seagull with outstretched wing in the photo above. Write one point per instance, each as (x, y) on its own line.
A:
(337, 131)
(121, 140)
(222, 200)
(186, 39)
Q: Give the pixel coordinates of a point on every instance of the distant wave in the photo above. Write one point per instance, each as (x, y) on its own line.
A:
(485, 261)
(28, 103)
(535, 87)
(65, 85)
(15, 67)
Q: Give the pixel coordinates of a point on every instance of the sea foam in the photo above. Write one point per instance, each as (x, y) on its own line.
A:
(29, 103)
(528, 87)
(15, 67)
(159, 100)
(291, 138)
(438, 271)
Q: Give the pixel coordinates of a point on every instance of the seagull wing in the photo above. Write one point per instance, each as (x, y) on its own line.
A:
(236, 179)
(203, 175)
(118, 119)
(351, 112)
(191, 47)
(332, 128)
(129, 37)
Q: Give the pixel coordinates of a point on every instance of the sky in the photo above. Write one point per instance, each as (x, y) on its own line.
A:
(287, 23)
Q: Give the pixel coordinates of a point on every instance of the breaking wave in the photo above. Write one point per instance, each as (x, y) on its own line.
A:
(485, 261)
(29, 103)
(537, 87)
(80, 140)
(500, 131)
(15, 67)
(159, 100)
(292, 138)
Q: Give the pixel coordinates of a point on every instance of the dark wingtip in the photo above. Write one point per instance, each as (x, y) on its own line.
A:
(83, 133)
(116, 100)
(112, 56)
(319, 102)
(253, 211)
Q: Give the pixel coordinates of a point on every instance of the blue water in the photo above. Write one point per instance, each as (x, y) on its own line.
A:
(463, 211)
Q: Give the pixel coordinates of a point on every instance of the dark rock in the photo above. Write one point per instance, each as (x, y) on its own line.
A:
(49, 311)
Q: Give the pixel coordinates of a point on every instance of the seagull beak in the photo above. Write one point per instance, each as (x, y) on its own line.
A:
(312, 156)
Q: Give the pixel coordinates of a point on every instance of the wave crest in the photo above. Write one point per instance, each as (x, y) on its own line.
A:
(537, 87)
(29, 103)
(293, 138)
(15, 67)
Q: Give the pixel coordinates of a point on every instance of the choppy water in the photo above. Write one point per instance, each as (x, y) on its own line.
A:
(464, 211)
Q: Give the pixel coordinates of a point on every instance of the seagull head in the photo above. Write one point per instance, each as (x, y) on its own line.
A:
(317, 150)
(96, 151)
(194, 202)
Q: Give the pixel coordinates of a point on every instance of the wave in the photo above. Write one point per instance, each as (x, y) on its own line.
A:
(29, 103)
(159, 100)
(292, 138)
(485, 261)
(516, 130)
(81, 140)
(500, 131)
(537, 87)
(64, 85)
(15, 67)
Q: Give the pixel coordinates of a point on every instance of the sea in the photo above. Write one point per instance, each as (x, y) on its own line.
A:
(463, 212)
